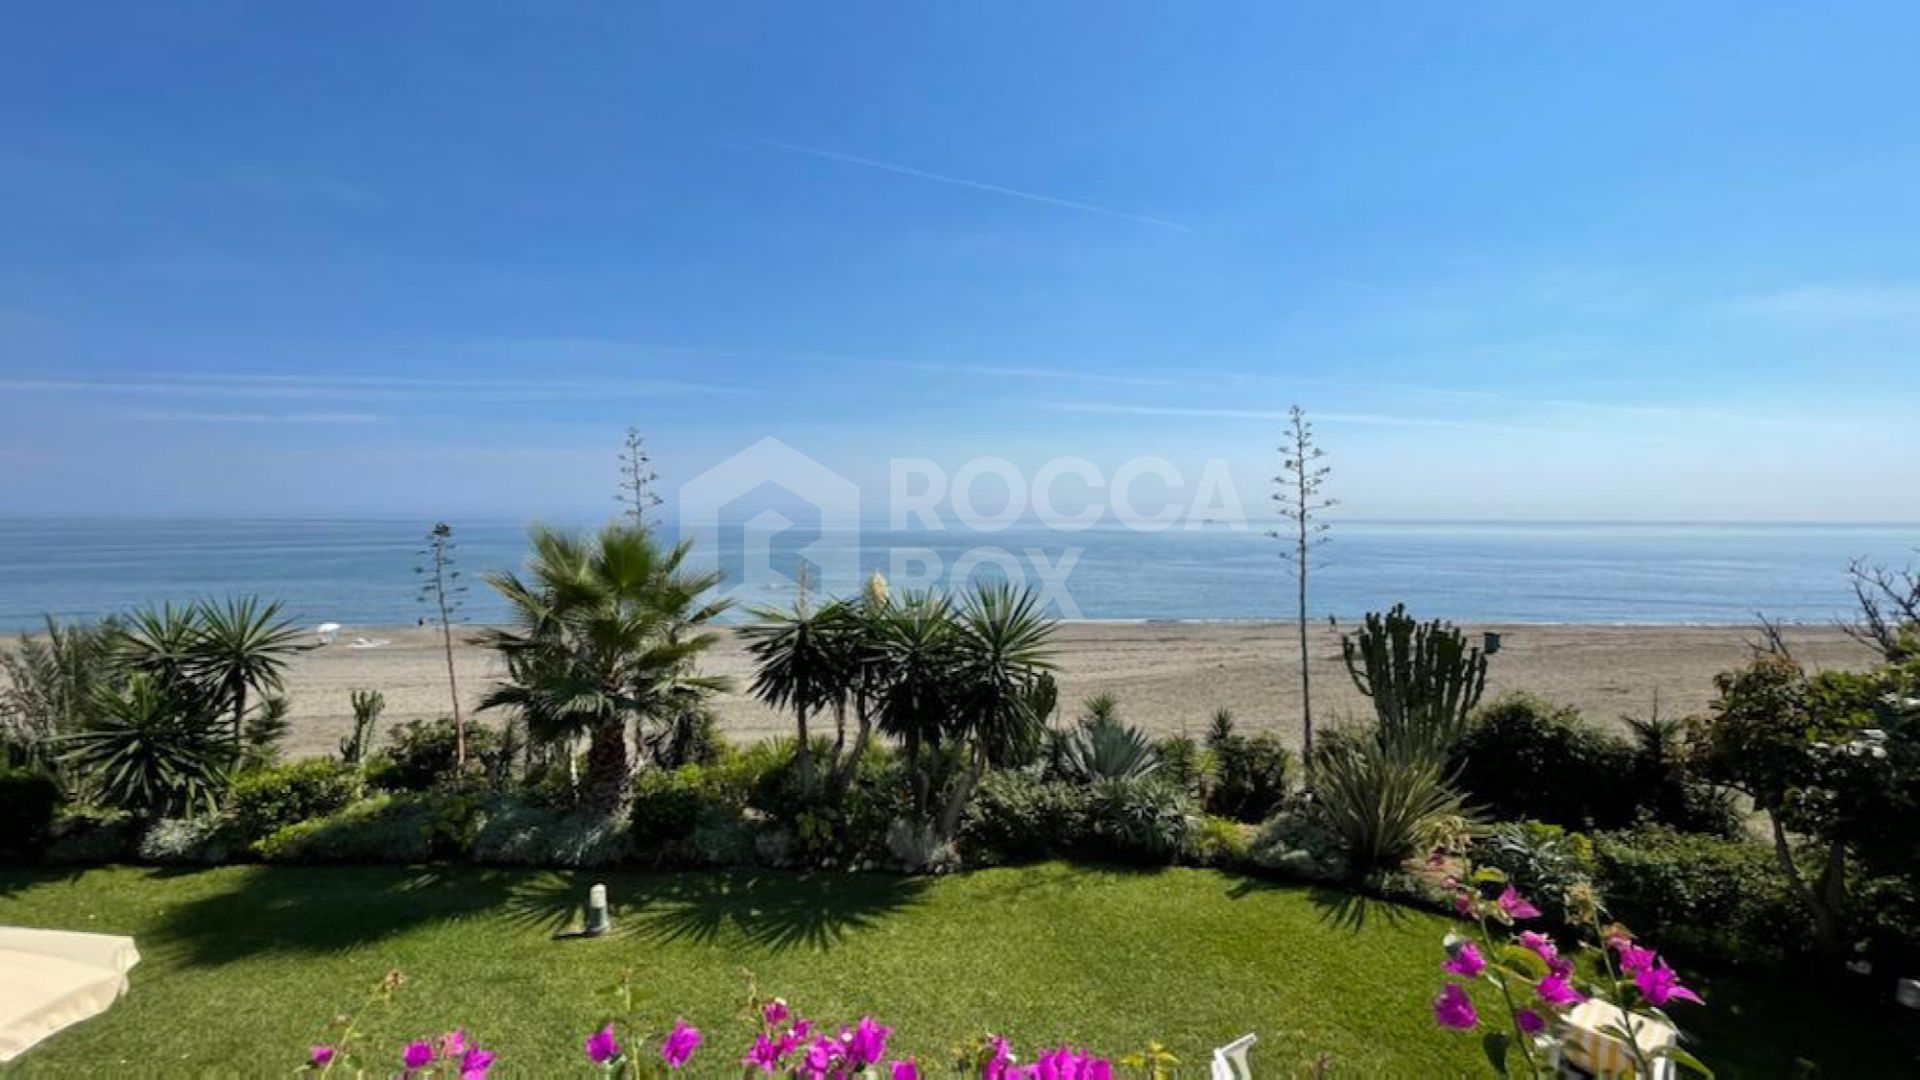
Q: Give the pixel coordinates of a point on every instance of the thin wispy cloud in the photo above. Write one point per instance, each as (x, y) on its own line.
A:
(186, 417)
(1279, 416)
(277, 386)
(1834, 304)
(961, 181)
(1048, 374)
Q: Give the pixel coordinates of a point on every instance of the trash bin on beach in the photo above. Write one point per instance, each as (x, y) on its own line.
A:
(1490, 642)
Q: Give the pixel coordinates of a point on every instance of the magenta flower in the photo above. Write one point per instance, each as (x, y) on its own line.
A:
(1466, 960)
(1659, 985)
(1513, 906)
(765, 1055)
(681, 1042)
(775, 1013)
(823, 1056)
(452, 1044)
(474, 1064)
(904, 1070)
(417, 1055)
(1540, 945)
(1555, 990)
(999, 1064)
(868, 1043)
(1453, 1009)
(1462, 904)
(1529, 1021)
(321, 1055)
(600, 1046)
(1633, 958)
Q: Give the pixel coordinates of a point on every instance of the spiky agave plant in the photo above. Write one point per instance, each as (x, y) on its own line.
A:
(1386, 806)
(1102, 747)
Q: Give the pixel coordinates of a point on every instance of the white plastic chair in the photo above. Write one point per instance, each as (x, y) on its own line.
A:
(1230, 1061)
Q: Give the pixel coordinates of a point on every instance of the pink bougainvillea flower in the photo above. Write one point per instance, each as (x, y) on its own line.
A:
(999, 1062)
(903, 1070)
(1462, 904)
(1634, 959)
(823, 1056)
(868, 1043)
(680, 1044)
(600, 1046)
(1540, 945)
(775, 1013)
(1529, 1021)
(474, 1063)
(1514, 906)
(452, 1044)
(417, 1055)
(1555, 990)
(765, 1055)
(1466, 960)
(1659, 985)
(1453, 1009)
(321, 1055)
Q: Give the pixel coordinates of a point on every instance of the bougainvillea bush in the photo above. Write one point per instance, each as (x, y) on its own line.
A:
(784, 1043)
(1539, 987)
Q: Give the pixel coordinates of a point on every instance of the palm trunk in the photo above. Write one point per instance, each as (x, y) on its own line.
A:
(863, 734)
(958, 798)
(239, 720)
(803, 753)
(608, 773)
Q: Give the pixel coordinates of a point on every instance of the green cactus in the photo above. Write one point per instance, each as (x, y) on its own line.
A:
(1423, 678)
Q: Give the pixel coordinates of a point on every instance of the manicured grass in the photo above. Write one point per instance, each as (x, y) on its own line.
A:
(244, 965)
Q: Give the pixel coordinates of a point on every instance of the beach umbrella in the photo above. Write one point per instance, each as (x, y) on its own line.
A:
(327, 630)
(52, 979)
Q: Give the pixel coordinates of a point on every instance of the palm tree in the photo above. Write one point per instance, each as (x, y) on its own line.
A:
(916, 642)
(605, 630)
(239, 646)
(799, 666)
(1003, 647)
(143, 751)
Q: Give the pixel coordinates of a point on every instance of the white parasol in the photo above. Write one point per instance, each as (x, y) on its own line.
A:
(51, 979)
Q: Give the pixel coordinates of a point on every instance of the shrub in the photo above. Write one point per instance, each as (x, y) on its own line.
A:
(1545, 862)
(201, 841)
(1523, 758)
(421, 754)
(1183, 763)
(516, 834)
(28, 803)
(1250, 776)
(1699, 893)
(1015, 817)
(1140, 821)
(1221, 842)
(266, 800)
(92, 834)
(825, 830)
(384, 829)
(690, 815)
(1102, 747)
(1299, 840)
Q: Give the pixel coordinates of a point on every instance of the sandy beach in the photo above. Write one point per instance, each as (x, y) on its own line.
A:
(1169, 677)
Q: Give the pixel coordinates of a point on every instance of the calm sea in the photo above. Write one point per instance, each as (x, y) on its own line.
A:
(361, 572)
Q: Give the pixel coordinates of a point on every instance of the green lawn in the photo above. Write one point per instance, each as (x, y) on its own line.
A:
(243, 965)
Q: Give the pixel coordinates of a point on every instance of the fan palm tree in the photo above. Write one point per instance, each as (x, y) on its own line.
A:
(144, 752)
(238, 646)
(605, 630)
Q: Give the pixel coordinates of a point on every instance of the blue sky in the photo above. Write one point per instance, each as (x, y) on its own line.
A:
(1521, 261)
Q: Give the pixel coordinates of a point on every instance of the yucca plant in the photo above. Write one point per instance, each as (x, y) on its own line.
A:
(48, 688)
(144, 752)
(1386, 806)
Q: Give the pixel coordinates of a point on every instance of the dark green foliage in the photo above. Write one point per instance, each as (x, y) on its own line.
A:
(403, 828)
(93, 834)
(1423, 678)
(146, 751)
(690, 736)
(420, 754)
(1250, 774)
(1701, 895)
(1549, 865)
(677, 814)
(1182, 763)
(265, 730)
(1016, 817)
(50, 681)
(1141, 820)
(28, 802)
(1387, 804)
(822, 829)
(1221, 842)
(1525, 759)
(262, 802)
